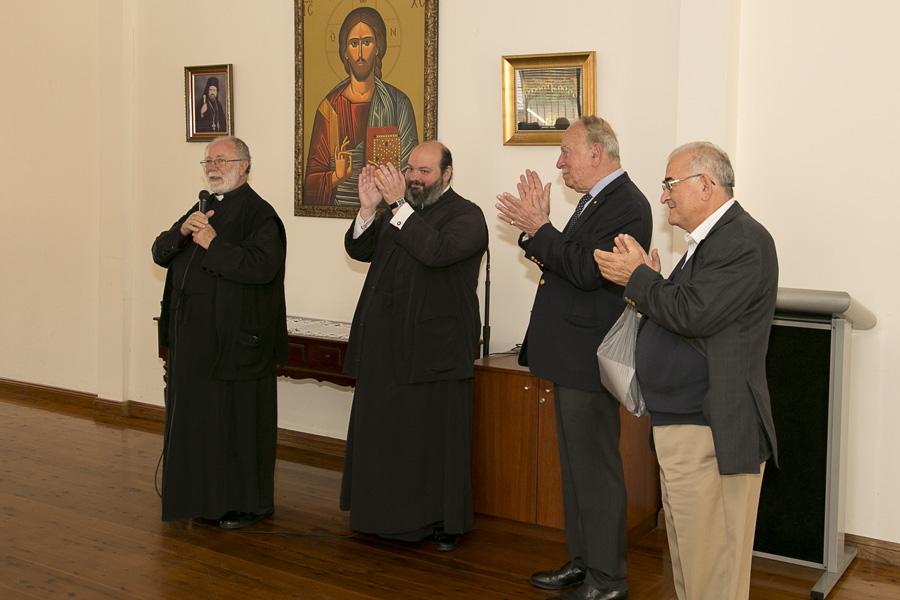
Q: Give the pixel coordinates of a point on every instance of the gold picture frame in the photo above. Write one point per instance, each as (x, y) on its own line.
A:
(406, 75)
(544, 93)
(208, 114)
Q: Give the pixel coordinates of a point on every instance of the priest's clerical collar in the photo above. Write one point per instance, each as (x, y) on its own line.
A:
(233, 192)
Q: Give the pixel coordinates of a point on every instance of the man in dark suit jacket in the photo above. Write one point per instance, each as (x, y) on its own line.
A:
(700, 360)
(573, 309)
(412, 349)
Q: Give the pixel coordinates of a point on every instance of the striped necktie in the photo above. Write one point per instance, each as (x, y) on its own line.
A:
(578, 210)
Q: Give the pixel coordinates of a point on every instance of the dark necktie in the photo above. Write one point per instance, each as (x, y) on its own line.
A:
(578, 210)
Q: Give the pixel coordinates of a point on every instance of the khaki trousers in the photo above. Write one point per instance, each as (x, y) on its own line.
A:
(710, 518)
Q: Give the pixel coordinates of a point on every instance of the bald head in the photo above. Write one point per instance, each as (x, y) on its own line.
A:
(428, 173)
(436, 154)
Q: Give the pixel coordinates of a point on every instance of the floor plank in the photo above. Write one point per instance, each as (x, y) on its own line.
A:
(79, 518)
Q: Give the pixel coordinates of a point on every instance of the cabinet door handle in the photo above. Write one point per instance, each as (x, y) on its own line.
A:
(527, 388)
(542, 400)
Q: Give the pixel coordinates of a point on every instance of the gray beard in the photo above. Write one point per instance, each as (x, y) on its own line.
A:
(229, 182)
(428, 196)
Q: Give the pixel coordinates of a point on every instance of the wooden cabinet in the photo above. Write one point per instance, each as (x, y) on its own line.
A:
(513, 454)
(515, 457)
(316, 351)
(317, 358)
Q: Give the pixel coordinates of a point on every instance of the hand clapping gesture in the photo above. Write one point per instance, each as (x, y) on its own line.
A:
(618, 265)
(531, 209)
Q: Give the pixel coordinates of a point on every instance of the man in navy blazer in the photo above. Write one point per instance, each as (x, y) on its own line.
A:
(573, 310)
(700, 360)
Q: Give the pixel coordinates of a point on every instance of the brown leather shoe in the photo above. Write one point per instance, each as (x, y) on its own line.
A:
(558, 579)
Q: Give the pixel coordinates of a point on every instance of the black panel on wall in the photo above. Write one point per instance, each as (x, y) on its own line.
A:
(791, 521)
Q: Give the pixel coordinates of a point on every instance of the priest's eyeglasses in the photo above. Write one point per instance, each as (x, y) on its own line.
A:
(668, 184)
(219, 162)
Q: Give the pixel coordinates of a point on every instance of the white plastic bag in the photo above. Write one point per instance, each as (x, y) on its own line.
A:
(616, 359)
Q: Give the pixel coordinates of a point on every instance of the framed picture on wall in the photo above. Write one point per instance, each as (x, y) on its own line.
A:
(366, 93)
(208, 93)
(543, 94)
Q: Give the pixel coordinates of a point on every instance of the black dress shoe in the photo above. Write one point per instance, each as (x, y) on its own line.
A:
(586, 591)
(205, 522)
(445, 542)
(558, 579)
(238, 520)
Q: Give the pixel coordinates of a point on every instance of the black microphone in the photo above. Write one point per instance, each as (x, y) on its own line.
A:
(204, 202)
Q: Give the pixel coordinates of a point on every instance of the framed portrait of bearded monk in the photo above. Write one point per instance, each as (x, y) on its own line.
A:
(208, 100)
(366, 93)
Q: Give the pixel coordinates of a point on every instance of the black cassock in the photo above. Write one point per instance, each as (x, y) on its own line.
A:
(406, 466)
(215, 119)
(220, 434)
(407, 456)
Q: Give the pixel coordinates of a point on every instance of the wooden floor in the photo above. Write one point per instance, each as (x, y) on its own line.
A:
(79, 518)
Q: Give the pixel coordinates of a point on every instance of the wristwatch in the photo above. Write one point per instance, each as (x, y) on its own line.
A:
(397, 204)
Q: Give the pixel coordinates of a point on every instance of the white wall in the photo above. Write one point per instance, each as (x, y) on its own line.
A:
(49, 231)
(322, 281)
(630, 73)
(817, 153)
(258, 39)
(92, 117)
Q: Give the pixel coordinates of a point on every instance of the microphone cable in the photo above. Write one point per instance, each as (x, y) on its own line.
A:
(203, 199)
(486, 330)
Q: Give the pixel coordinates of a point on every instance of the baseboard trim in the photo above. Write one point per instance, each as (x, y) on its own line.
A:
(110, 408)
(50, 394)
(148, 412)
(295, 440)
(867, 548)
(310, 442)
(874, 550)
